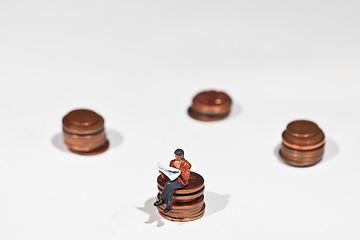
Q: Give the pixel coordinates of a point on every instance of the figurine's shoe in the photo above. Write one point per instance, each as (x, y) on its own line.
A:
(159, 203)
(167, 209)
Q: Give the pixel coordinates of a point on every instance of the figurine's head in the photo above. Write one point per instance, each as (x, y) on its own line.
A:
(179, 154)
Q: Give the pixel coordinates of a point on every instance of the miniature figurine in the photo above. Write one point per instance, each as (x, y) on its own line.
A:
(180, 191)
(181, 181)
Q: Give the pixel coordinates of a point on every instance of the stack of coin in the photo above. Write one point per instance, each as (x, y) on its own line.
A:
(302, 144)
(188, 202)
(84, 132)
(210, 106)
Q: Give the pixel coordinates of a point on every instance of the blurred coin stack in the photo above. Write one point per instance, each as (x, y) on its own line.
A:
(84, 132)
(188, 202)
(302, 144)
(210, 106)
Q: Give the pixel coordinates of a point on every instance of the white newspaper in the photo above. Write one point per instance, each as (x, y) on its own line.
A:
(170, 172)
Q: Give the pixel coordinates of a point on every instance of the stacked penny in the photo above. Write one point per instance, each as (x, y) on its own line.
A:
(188, 202)
(210, 106)
(302, 144)
(84, 132)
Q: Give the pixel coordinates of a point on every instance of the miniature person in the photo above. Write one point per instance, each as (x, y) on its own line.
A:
(181, 181)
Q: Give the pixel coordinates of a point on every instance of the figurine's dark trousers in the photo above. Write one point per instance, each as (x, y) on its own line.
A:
(168, 191)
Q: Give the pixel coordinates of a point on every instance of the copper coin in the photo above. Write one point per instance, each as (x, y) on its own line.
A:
(84, 133)
(302, 128)
(82, 122)
(303, 162)
(188, 202)
(196, 182)
(85, 140)
(183, 218)
(186, 197)
(300, 158)
(303, 135)
(186, 206)
(302, 143)
(86, 147)
(195, 205)
(95, 151)
(210, 106)
(294, 153)
(183, 214)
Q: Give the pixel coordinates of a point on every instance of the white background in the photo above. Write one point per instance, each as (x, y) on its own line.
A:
(139, 64)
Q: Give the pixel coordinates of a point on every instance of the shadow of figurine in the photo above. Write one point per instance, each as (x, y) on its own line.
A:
(215, 202)
(154, 216)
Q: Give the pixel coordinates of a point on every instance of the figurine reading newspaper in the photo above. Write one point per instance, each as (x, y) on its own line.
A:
(178, 173)
(170, 172)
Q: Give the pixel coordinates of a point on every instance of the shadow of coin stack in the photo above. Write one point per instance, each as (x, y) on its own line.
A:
(84, 133)
(302, 144)
(188, 202)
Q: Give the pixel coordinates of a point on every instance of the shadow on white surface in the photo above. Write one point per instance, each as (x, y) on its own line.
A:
(114, 137)
(331, 150)
(214, 203)
(235, 110)
(58, 141)
(150, 209)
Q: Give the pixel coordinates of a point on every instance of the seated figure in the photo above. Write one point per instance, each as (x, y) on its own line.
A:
(181, 181)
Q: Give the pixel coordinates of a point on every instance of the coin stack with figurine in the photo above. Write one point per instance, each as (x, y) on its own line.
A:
(180, 196)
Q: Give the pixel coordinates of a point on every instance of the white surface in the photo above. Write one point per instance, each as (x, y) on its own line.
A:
(138, 64)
